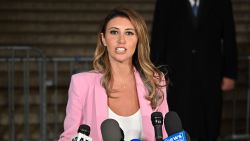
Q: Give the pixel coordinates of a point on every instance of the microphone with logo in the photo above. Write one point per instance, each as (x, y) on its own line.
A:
(83, 133)
(111, 131)
(174, 129)
(157, 121)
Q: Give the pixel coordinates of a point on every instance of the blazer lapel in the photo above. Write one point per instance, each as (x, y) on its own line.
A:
(100, 105)
(195, 19)
(145, 107)
(142, 92)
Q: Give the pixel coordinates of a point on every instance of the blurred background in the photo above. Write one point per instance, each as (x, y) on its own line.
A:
(44, 42)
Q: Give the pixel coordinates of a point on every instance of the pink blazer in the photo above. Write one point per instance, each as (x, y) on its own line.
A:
(87, 104)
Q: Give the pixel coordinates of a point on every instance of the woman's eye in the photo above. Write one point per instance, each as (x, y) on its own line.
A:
(113, 32)
(130, 33)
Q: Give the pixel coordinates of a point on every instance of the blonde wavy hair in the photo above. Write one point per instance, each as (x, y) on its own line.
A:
(151, 76)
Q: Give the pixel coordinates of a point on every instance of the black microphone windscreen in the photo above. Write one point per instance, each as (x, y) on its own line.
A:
(84, 129)
(172, 123)
(157, 121)
(111, 130)
(157, 118)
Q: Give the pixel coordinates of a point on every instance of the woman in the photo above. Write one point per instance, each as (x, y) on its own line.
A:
(124, 85)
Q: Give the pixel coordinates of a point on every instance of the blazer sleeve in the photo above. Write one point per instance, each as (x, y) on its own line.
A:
(229, 41)
(73, 110)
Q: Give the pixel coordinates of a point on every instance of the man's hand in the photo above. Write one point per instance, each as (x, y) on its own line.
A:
(228, 84)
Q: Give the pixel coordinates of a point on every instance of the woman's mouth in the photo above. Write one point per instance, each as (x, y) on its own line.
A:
(120, 50)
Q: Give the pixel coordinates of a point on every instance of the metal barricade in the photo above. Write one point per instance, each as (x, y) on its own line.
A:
(17, 64)
(33, 94)
(241, 104)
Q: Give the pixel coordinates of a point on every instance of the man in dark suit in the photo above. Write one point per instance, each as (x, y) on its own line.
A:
(199, 48)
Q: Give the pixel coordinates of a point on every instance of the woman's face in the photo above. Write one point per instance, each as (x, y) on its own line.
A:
(120, 39)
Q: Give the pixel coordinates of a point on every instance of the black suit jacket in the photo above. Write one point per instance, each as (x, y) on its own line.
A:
(198, 51)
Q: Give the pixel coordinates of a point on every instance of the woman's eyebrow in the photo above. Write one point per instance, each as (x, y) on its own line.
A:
(119, 29)
(113, 28)
(129, 29)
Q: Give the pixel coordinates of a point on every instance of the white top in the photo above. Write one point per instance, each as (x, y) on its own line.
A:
(192, 2)
(131, 125)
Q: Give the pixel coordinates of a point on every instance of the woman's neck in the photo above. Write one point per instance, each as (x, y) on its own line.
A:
(122, 70)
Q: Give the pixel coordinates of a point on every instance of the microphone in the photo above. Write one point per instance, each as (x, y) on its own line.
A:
(157, 121)
(74, 138)
(83, 133)
(174, 128)
(111, 130)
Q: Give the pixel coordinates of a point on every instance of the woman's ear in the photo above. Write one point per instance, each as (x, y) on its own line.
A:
(103, 40)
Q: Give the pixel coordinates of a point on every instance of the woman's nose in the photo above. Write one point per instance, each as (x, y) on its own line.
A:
(121, 39)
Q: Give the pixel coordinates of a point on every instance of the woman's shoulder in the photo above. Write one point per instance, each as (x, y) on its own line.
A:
(90, 75)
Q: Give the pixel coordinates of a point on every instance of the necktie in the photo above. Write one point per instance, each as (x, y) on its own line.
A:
(195, 8)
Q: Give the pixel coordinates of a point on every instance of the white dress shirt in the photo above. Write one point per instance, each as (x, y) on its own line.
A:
(192, 2)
